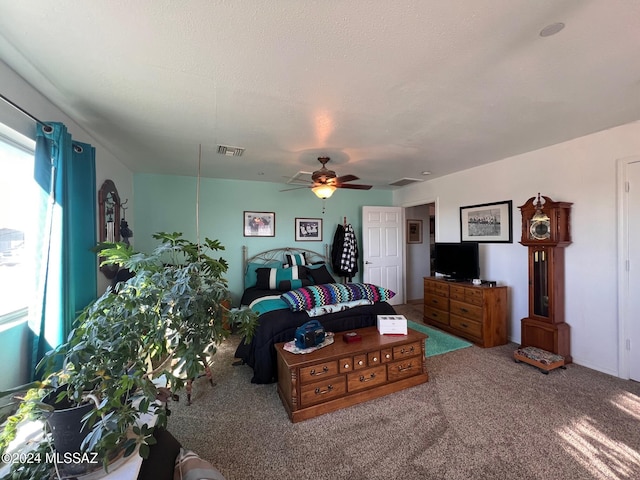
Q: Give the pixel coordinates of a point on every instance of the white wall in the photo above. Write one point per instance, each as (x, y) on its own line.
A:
(582, 171)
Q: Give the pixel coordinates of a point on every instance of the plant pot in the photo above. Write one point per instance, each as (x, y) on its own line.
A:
(65, 424)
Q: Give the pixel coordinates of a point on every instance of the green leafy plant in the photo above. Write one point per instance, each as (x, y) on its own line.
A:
(166, 320)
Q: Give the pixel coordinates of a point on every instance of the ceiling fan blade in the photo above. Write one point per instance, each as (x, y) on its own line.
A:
(346, 178)
(354, 186)
(295, 188)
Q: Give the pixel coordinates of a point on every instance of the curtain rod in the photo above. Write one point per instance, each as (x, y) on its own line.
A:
(23, 111)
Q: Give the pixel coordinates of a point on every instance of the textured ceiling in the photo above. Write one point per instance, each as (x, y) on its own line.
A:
(387, 89)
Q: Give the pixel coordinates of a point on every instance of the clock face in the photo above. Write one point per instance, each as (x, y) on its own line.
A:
(539, 230)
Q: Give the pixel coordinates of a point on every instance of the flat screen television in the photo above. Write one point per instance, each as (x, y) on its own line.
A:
(457, 261)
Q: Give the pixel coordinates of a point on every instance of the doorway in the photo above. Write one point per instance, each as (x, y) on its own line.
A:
(629, 267)
(419, 251)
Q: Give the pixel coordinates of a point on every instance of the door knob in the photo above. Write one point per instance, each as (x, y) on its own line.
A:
(367, 262)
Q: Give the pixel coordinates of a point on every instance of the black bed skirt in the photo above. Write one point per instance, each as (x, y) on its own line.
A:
(280, 326)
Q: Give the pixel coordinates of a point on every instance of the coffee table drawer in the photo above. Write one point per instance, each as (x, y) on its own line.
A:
(316, 372)
(319, 392)
(404, 368)
(408, 350)
(366, 378)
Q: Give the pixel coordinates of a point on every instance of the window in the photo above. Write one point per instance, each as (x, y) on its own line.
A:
(17, 223)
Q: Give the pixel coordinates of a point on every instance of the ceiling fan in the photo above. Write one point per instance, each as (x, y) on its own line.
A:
(324, 181)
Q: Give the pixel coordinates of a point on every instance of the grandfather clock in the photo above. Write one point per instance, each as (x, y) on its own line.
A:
(546, 232)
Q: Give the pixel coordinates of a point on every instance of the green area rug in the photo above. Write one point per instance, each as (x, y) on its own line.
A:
(438, 342)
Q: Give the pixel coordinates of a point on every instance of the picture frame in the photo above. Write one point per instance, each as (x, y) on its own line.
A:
(487, 222)
(308, 229)
(414, 231)
(259, 224)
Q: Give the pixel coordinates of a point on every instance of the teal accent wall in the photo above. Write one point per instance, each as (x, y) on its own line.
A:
(168, 203)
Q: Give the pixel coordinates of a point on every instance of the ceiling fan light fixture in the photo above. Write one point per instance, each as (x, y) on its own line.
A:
(323, 191)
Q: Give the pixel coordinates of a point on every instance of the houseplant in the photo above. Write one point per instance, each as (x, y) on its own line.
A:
(165, 320)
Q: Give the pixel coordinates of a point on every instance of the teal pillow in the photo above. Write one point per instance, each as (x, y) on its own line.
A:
(251, 277)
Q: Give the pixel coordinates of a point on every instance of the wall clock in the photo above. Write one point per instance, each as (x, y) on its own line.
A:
(546, 232)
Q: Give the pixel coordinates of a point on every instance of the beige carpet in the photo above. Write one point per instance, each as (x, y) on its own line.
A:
(481, 416)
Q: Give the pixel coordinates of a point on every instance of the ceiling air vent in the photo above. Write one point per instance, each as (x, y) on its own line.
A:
(405, 181)
(230, 151)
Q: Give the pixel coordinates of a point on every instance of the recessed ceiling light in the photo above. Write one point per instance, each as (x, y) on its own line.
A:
(551, 29)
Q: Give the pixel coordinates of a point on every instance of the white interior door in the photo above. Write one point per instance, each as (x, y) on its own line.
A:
(632, 313)
(382, 252)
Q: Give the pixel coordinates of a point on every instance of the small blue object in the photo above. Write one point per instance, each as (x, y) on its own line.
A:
(310, 334)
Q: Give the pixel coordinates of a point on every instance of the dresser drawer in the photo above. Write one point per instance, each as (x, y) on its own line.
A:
(407, 350)
(473, 295)
(471, 327)
(434, 301)
(456, 292)
(466, 310)
(322, 391)
(436, 288)
(432, 314)
(316, 372)
(404, 368)
(367, 378)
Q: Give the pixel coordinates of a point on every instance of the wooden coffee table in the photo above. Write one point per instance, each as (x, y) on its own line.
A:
(344, 374)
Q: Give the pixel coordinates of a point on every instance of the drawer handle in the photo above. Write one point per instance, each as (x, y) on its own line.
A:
(464, 310)
(402, 369)
(365, 379)
(325, 369)
(360, 362)
(464, 325)
(410, 350)
(346, 365)
(322, 392)
(434, 314)
(375, 359)
(387, 356)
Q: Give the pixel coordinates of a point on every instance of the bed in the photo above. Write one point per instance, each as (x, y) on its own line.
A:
(284, 304)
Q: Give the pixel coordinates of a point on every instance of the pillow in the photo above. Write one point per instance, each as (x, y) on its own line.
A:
(250, 277)
(283, 279)
(190, 466)
(313, 296)
(296, 259)
(319, 273)
(338, 307)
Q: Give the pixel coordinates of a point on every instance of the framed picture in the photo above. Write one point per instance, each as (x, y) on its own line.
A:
(259, 224)
(308, 229)
(487, 223)
(414, 231)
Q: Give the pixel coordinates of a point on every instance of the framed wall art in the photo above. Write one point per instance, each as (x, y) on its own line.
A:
(414, 231)
(259, 224)
(486, 223)
(308, 229)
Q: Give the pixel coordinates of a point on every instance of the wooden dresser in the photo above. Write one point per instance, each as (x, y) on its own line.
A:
(475, 312)
(344, 374)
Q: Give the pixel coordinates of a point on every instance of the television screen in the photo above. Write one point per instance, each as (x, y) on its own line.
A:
(458, 261)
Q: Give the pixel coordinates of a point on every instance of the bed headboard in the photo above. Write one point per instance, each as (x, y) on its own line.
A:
(278, 254)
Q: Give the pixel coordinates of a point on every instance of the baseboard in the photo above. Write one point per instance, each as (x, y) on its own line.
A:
(418, 301)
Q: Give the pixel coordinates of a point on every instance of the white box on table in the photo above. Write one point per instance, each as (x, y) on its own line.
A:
(392, 325)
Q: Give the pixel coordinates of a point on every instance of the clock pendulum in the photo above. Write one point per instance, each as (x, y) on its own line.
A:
(544, 333)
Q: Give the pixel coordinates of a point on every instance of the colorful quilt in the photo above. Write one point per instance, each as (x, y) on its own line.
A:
(313, 296)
